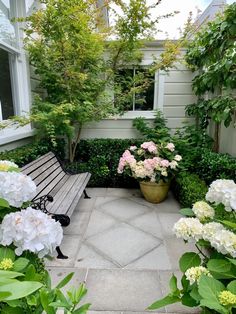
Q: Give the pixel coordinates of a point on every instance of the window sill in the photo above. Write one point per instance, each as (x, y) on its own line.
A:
(134, 114)
(9, 137)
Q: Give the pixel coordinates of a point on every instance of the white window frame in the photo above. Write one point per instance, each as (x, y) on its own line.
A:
(20, 78)
(158, 96)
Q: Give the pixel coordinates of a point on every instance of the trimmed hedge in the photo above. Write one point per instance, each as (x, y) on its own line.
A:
(212, 166)
(188, 188)
(101, 158)
(27, 153)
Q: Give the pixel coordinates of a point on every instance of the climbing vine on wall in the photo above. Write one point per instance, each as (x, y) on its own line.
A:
(212, 53)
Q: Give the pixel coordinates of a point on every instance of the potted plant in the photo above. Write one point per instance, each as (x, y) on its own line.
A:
(153, 166)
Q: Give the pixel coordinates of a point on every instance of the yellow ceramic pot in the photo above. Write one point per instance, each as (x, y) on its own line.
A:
(154, 192)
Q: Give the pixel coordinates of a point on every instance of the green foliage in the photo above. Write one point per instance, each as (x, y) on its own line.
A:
(212, 166)
(27, 153)
(189, 188)
(157, 132)
(101, 158)
(212, 51)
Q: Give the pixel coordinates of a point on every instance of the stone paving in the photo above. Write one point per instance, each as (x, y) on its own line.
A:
(124, 249)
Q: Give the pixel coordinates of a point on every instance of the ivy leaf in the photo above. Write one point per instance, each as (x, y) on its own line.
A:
(189, 259)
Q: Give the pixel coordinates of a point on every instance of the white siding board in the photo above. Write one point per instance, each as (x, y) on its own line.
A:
(175, 123)
(174, 112)
(179, 100)
(179, 77)
(178, 89)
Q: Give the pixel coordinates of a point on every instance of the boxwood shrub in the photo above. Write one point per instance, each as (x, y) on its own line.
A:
(27, 153)
(212, 166)
(188, 188)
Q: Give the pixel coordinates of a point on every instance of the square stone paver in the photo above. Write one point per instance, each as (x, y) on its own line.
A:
(167, 221)
(88, 258)
(148, 223)
(78, 223)
(69, 247)
(156, 259)
(99, 222)
(124, 244)
(124, 209)
(122, 290)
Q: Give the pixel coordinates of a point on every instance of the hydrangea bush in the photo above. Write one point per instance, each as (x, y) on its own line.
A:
(27, 235)
(209, 276)
(150, 162)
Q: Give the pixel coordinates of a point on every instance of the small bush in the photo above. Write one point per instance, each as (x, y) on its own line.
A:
(189, 188)
(27, 153)
(101, 158)
(212, 166)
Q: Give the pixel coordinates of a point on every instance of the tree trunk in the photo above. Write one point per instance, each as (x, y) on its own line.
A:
(217, 137)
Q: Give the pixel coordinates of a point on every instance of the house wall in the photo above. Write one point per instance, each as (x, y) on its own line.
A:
(174, 92)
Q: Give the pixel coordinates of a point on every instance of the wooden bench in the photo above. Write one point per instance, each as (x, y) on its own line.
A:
(58, 191)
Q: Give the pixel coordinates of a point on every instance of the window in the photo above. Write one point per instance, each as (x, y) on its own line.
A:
(14, 78)
(5, 86)
(134, 89)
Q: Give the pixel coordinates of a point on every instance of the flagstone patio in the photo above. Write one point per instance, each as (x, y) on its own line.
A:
(124, 249)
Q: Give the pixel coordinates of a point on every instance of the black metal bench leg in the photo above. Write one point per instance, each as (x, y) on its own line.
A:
(60, 255)
(86, 195)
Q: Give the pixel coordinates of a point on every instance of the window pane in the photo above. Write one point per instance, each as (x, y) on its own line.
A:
(7, 30)
(144, 100)
(124, 81)
(5, 86)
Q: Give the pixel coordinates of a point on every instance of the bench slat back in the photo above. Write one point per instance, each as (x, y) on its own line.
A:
(46, 172)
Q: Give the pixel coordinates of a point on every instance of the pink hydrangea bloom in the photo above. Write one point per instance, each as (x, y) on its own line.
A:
(150, 146)
(164, 163)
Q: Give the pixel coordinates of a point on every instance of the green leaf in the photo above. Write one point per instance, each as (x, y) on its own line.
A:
(209, 288)
(4, 295)
(31, 300)
(20, 264)
(4, 203)
(229, 224)
(45, 301)
(232, 286)
(163, 302)
(6, 252)
(9, 274)
(65, 281)
(187, 300)
(213, 305)
(195, 294)
(185, 283)
(188, 260)
(232, 260)
(12, 310)
(173, 284)
(187, 212)
(83, 309)
(219, 265)
(20, 289)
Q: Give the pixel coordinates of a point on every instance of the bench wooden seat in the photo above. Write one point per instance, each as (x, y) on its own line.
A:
(51, 179)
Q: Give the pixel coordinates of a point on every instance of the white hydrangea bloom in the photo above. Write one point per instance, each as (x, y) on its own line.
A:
(5, 165)
(31, 230)
(210, 229)
(193, 274)
(202, 210)
(224, 242)
(189, 229)
(223, 191)
(16, 188)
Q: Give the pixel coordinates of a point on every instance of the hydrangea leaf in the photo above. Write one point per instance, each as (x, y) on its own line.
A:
(4, 203)
(188, 260)
(6, 252)
(163, 302)
(232, 286)
(219, 265)
(20, 289)
(20, 264)
(209, 288)
(187, 212)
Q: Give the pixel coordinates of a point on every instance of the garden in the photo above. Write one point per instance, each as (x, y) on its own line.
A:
(187, 162)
